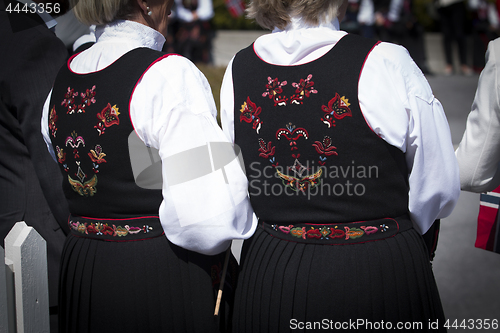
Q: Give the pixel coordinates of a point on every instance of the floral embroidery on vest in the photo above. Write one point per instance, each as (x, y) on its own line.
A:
(338, 107)
(324, 148)
(329, 231)
(249, 113)
(52, 121)
(292, 134)
(108, 117)
(274, 89)
(69, 100)
(74, 141)
(97, 157)
(303, 183)
(87, 99)
(304, 89)
(267, 151)
(101, 229)
(87, 188)
(61, 155)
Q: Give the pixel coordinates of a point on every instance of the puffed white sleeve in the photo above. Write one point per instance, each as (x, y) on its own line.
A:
(205, 201)
(478, 154)
(227, 103)
(410, 118)
(434, 177)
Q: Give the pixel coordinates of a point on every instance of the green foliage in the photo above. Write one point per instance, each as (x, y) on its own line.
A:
(222, 20)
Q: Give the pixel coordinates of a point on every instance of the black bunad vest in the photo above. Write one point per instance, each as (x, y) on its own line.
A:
(89, 126)
(309, 154)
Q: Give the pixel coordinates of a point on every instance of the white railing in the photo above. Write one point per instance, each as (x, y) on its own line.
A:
(24, 296)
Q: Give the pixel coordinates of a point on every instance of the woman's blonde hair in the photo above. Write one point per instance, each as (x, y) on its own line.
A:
(277, 13)
(97, 12)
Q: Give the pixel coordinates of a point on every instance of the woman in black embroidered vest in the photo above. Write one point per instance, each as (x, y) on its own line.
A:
(349, 161)
(145, 253)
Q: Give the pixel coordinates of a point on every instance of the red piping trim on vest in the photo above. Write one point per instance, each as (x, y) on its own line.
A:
(133, 90)
(367, 124)
(130, 218)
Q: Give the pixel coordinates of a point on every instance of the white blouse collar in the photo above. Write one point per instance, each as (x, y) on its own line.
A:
(131, 32)
(298, 24)
(298, 43)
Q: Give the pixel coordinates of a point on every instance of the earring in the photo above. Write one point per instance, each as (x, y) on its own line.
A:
(149, 11)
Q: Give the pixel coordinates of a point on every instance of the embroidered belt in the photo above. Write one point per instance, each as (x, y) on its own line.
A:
(339, 233)
(116, 230)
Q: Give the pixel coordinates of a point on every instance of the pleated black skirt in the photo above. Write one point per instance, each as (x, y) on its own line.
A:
(141, 286)
(288, 286)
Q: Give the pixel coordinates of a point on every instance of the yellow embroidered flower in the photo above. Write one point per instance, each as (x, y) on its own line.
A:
(97, 155)
(345, 100)
(243, 107)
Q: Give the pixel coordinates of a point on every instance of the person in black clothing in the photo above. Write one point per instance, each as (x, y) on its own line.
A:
(29, 179)
(313, 110)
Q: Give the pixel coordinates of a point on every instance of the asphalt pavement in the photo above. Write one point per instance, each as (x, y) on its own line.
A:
(468, 278)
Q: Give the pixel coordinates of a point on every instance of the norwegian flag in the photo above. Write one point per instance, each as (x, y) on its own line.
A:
(488, 228)
(235, 7)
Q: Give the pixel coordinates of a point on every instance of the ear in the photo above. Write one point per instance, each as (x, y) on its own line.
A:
(143, 5)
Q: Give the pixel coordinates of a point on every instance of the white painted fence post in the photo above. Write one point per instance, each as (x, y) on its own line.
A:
(4, 307)
(26, 250)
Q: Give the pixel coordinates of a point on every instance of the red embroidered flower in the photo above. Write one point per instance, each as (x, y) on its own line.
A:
(69, 97)
(87, 99)
(61, 155)
(91, 229)
(325, 147)
(337, 233)
(273, 89)
(108, 117)
(107, 230)
(303, 89)
(249, 113)
(88, 96)
(266, 150)
(69, 100)
(338, 107)
(52, 121)
(97, 155)
(313, 233)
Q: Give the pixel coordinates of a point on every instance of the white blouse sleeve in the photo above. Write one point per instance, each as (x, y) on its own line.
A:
(45, 126)
(416, 124)
(479, 153)
(172, 110)
(227, 103)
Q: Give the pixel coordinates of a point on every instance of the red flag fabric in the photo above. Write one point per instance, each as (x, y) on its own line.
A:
(235, 7)
(488, 227)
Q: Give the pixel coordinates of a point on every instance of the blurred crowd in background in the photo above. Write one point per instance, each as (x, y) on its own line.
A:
(464, 24)
(405, 22)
